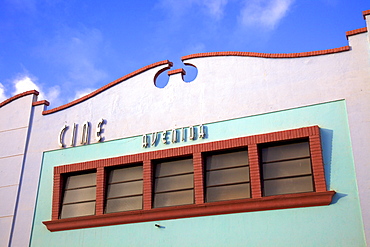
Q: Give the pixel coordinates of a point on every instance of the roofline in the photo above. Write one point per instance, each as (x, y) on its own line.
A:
(197, 55)
(282, 55)
(109, 85)
(17, 96)
(41, 102)
(356, 31)
(365, 13)
(266, 55)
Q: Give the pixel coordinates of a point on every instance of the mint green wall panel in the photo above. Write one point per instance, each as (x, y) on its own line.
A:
(338, 224)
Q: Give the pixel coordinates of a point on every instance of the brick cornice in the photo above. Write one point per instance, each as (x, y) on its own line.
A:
(41, 102)
(113, 83)
(356, 31)
(365, 13)
(7, 101)
(266, 55)
(176, 71)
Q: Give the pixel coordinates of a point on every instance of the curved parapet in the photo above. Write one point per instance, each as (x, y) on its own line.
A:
(365, 13)
(266, 55)
(356, 31)
(7, 101)
(113, 83)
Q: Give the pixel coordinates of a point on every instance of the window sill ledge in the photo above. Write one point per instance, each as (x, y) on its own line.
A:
(194, 210)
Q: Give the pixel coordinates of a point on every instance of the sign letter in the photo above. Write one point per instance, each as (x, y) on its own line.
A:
(85, 133)
(144, 141)
(191, 134)
(61, 136)
(201, 131)
(98, 130)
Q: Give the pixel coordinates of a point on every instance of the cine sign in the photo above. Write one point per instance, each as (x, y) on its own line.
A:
(85, 133)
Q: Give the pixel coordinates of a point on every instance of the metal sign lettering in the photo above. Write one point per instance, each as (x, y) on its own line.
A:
(86, 126)
(174, 136)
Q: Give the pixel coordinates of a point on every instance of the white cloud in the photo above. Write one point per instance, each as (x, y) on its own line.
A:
(77, 51)
(53, 94)
(2, 93)
(195, 48)
(214, 8)
(25, 83)
(264, 13)
(83, 92)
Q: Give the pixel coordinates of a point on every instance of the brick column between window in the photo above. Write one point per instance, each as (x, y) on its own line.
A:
(317, 164)
(198, 178)
(57, 195)
(147, 184)
(100, 190)
(254, 171)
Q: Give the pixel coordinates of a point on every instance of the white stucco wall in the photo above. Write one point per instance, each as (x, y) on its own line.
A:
(226, 87)
(14, 128)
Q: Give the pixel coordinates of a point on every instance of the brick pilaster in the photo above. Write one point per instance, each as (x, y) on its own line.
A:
(100, 190)
(147, 184)
(198, 178)
(254, 170)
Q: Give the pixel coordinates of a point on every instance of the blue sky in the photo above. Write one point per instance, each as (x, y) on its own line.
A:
(65, 49)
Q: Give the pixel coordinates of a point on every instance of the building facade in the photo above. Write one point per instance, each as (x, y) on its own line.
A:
(258, 150)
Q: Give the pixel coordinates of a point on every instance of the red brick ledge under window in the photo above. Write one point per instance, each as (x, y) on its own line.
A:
(194, 210)
(320, 197)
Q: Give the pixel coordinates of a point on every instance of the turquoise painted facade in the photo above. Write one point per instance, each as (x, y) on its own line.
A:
(339, 224)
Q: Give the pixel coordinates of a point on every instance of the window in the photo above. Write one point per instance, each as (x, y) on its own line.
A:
(79, 195)
(125, 189)
(227, 176)
(263, 172)
(286, 169)
(173, 183)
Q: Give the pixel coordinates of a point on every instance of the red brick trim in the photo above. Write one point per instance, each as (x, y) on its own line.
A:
(257, 203)
(356, 31)
(266, 55)
(214, 208)
(41, 102)
(18, 96)
(198, 178)
(100, 190)
(113, 83)
(177, 71)
(147, 184)
(254, 171)
(316, 157)
(365, 13)
(57, 195)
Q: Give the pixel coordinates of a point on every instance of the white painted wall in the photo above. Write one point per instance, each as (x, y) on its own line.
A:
(225, 88)
(15, 118)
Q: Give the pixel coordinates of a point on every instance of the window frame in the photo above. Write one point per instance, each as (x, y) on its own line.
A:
(108, 171)
(64, 191)
(320, 197)
(227, 168)
(264, 180)
(174, 175)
